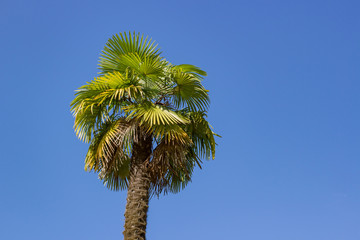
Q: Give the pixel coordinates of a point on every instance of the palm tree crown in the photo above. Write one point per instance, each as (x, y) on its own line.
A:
(141, 97)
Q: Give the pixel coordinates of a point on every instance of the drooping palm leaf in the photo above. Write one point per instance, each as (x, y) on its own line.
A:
(109, 151)
(201, 134)
(172, 166)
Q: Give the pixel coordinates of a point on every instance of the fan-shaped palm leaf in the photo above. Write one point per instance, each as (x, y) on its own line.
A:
(112, 57)
(194, 70)
(189, 92)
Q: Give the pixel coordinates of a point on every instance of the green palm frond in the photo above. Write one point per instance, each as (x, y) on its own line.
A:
(170, 133)
(112, 57)
(120, 88)
(201, 134)
(151, 67)
(160, 121)
(194, 70)
(88, 114)
(150, 114)
(103, 96)
(189, 92)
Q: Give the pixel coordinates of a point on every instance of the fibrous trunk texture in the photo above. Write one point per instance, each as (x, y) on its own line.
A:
(138, 191)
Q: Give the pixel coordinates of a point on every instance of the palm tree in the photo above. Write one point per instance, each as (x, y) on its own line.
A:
(145, 120)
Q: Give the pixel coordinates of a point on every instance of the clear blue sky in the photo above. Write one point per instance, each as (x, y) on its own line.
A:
(284, 83)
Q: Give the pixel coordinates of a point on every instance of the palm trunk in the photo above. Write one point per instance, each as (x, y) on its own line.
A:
(138, 191)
